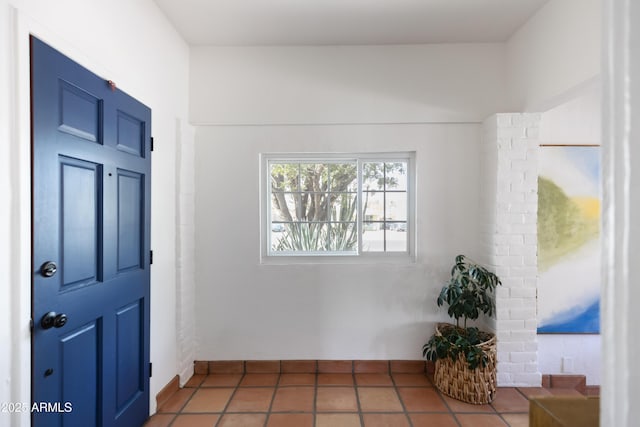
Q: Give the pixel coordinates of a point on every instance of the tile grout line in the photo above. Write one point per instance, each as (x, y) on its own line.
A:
(224, 410)
(273, 397)
(315, 398)
(395, 385)
(396, 389)
(446, 405)
(355, 388)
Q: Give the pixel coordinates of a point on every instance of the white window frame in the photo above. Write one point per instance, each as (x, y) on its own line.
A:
(271, 257)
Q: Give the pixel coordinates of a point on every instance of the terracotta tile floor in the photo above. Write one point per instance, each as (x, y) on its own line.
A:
(335, 400)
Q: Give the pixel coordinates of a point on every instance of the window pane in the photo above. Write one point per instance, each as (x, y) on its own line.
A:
(373, 237)
(313, 207)
(343, 177)
(373, 206)
(372, 176)
(285, 206)
(396, 206)
(284, 177)
(343, 207)
(396, 176)
(396, 237)
(301, 237)
(344, 236)
(314, 177)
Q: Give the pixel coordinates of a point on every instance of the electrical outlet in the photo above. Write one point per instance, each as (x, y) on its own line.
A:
(567, 365)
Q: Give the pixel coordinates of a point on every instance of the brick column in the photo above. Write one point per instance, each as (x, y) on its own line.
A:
(508, 239)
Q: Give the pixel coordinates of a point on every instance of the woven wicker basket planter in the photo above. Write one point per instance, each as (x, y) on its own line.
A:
(455, 379)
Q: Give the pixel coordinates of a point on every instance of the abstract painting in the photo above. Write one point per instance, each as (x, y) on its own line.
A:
(569, 240)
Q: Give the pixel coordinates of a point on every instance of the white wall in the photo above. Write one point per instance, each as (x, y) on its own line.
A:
(347, 84)
(246, 310)
(553, 66)
(555, 52)
(427, 98)
(133, 44)
(6, 208)
(575, 122)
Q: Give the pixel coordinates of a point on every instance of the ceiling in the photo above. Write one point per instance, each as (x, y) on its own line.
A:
(346, 22)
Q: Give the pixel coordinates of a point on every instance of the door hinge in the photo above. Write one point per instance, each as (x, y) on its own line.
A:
(150, 369)
(150, 257)
(151, 143)
(31, 325)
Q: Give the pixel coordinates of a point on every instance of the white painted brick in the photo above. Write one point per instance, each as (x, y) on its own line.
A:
(523, 292)
(520, 154)
(531, 324)
(509, 260)
(523, 313)
(512, 282)
(523, 357)
(522, 335)
(502, 356)
(501, 120)
(515, 326)
(502, 293)
(501, 250)
(517, 198)
(516, 218)
(511, 145)
(525, 272)
(515, 132)
(524, 228)
(504, 378)
(502, 271)
(524, 250)
(517, 208)
(533, 133)
(509, 303)
(531, 367)
(528, 379)
(517, 250)
(518, 120)
(512, 368)
(503, 335)
(515, 239)
(502, 313)
(511, 346)
(504, 143)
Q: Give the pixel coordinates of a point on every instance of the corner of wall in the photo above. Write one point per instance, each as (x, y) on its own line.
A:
(185, 250)
(509, 239)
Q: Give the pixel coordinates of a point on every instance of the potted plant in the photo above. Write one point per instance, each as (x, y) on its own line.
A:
(464, 356)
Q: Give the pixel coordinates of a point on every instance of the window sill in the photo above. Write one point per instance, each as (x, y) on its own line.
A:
(386, 258)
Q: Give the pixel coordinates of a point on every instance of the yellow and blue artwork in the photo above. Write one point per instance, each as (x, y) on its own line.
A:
(569, 252)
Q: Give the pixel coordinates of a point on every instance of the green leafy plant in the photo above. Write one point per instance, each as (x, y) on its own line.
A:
(468, 293)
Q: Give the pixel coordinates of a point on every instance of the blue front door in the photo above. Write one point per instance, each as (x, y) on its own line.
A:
(91, 205)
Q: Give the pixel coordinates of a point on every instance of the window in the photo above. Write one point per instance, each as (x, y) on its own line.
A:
(341, 205)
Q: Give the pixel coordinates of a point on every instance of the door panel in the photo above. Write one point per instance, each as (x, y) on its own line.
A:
(80, 374)
(130, 376)
(91, 206)
(81, 195)
(130, 220)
